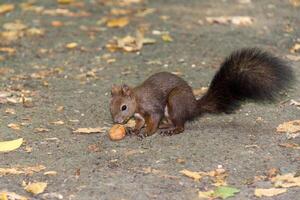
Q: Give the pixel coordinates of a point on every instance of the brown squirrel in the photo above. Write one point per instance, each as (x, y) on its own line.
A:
(247, 74)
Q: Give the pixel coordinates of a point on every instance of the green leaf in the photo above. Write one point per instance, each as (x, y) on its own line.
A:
(225, 192)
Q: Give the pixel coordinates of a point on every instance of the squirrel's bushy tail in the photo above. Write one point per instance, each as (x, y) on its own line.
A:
(246, 74)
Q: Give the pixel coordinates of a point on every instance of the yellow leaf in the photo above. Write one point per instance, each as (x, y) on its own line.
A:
(166, 37)
(90, 130)
(3, 196)
(10, 145)
(71, 45)
(64, 1)
(117, 22)
(195, 175)
(36, 188)
(259, 192)
(4, 8)
(289, 127)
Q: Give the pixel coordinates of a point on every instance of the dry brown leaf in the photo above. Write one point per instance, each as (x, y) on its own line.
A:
(36, 188)
(10, 111)
(90, 130)
(8, 50)
(21, 170)
(289, 127)
(4, 8)
(206, 195)
(56, 23)
(236, 20)
(260, 192)
(290, 145)
(286, 180)
(35, 32)
(295, 3)
(195, 175)
(41, 130)
(295, 48)
(14, 26)
(59, 122)
(14, 126)
(129, 43)
(117, 22)
(118, 11)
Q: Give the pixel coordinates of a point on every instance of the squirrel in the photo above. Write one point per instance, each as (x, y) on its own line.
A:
(165, 101)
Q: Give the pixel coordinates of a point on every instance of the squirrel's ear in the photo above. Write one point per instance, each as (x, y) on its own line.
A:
(115, 89)
(126, 90)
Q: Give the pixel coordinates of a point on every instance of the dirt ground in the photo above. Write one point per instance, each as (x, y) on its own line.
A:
(72, 85)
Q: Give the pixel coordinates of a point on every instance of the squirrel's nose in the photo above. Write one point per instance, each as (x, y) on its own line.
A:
(118, 120)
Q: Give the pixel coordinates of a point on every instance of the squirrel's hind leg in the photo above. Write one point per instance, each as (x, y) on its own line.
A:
(181, 106)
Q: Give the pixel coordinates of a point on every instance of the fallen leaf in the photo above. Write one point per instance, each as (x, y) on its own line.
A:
(35, 32)
(117, 11)
(10, 145)
(14, 26)
(58, 122)
(225, 192)
(90, 130)
(14, 126)
(195, 175)
(4, 8)
(8, 50)
(166, 37)
(10, 111)
(71, 45)
(200, 91)
(295, 3)
(290, 145)
(50, 173)
(65, 1)
(56, 23)
(286, 180)
(36, 188)
(295, 48)
(117, 22)
(236, 20)
(41, 130)
(295, 103)
(289, 127)
(260, 192)
(129, 43)
(4, 195)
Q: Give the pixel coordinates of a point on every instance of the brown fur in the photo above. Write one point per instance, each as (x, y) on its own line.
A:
(246, 74)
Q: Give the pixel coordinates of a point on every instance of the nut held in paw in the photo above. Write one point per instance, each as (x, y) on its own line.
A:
(117, 132)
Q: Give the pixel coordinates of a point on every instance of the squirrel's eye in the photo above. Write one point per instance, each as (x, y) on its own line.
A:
(124, 107)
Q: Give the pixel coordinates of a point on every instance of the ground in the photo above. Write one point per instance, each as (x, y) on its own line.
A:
(72, 85)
